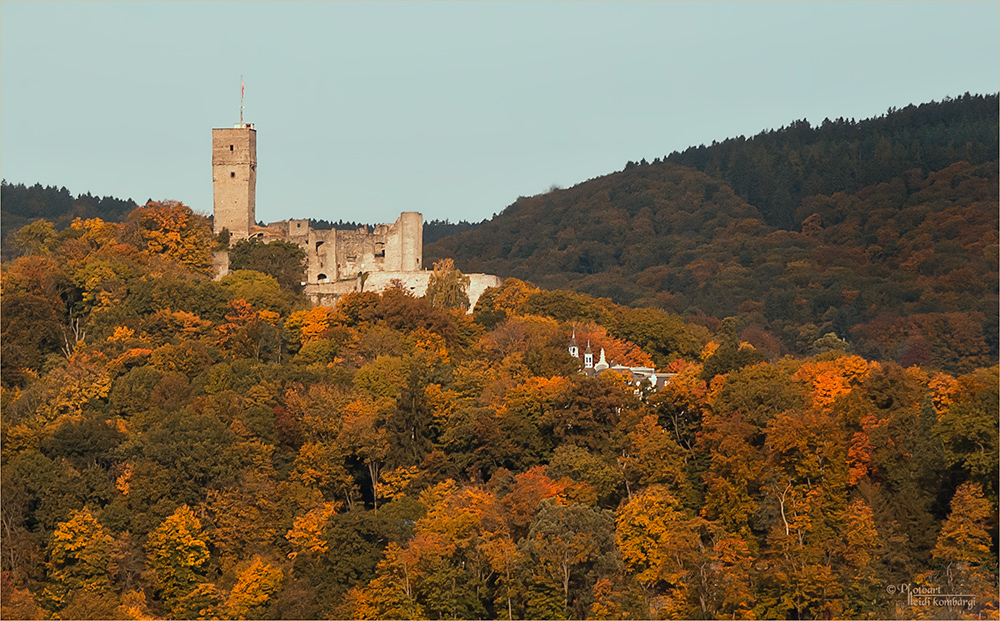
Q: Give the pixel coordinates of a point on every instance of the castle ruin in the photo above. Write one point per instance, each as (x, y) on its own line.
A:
(337, 262)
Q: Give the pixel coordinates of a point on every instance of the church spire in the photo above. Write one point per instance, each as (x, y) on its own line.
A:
(602, 364)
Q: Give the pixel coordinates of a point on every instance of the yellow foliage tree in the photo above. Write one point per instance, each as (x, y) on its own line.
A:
(944, 389)
(830, 379)
(513, 295)
(307, 532)
(309, 325)
(655, 537)
(253, 590)
(80, 558)
(177, 555)
(170, 228)
(964, 537)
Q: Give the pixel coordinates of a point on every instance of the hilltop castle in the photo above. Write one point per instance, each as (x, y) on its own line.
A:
(337, 262)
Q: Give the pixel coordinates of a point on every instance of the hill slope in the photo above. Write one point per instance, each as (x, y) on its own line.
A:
(895, 265)
(776, 170)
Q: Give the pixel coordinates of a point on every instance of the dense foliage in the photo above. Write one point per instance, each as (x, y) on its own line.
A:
(284, 260)
(182, 448)
(883, 232)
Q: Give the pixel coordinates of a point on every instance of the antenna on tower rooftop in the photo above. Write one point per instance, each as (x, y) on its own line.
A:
(241, 100)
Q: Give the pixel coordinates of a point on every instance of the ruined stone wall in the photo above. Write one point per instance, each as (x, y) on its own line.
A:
(393, 247)
(323, 258)
(355, 252)
(378, 282)
(478, 283)
(220, 264)
(320, 248)
(234, 179)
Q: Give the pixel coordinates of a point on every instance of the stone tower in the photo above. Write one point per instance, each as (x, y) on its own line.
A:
(405, 247)
(234, 178)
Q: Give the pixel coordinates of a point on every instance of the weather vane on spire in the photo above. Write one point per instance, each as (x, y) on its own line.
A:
(241, 100)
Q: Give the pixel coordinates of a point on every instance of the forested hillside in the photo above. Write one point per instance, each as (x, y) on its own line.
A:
(882, 231)
(176, 447)
(776, 170)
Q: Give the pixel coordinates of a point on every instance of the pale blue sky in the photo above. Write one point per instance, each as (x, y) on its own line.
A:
(453, 109)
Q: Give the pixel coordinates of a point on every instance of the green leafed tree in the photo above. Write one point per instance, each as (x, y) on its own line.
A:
(283, 260)
(566, 548)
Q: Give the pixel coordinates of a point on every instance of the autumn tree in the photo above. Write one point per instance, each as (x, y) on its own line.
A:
(964, 548)
(178, 557)
(660, 545)
(862, 572)
(36, 238)
(447, 286)
(364, 434)
(650, 456)
(80, 560)
(170, 228)
(17, 602)
(248, 332)
(967, 429)
(254, 591)
(565, 547)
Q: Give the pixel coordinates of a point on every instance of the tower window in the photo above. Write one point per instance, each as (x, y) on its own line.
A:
(230, 147)
(232, 175)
